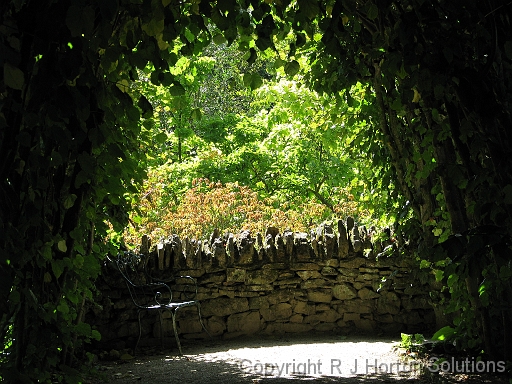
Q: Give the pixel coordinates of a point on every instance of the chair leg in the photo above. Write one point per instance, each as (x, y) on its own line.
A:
(173, 314)
(140, 333)
(161, 329)
(201, 319)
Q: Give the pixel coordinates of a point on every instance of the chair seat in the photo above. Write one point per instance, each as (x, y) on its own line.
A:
(147, 295)
(171, 305)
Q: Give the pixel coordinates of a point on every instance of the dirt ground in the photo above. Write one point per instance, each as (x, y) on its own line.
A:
(284, 359)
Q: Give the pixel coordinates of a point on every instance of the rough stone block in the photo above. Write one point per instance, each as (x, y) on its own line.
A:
(259, 288)
(304, 308)
(329, 316)
(304, 267)
(213, 278)
(354, 263)
(365, 325)
(358, 285)
(227, 292)
(235, 275)
(325, 327)
(195, 272)
(286, 275)
(320, 296)
(288, 243)
(323, 307)
(410, 318)
(367, 294)
(247, 294)
(280, 266)
(261, 276)
(344, 279)
(368, 277)
(329, 271)
(258, 302)
(268, 314)
(281, 296)
(215, 325)
(190, 326)
(334, 263)
(344, 291)
(246, 323)
(289, 283)
(386, 318)
(416, 289)
(306, 275)
(282, 311)
(343, 243)
(315, 283)
(351, 317)
(291, 327)
(391, 328)
(224, 306)
(415, 302)
(388, 302)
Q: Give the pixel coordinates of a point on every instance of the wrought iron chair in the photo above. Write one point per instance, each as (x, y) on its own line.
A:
(186, 286)
(148, 295)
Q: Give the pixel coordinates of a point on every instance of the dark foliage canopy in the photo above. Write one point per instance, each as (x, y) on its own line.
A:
(71, 135)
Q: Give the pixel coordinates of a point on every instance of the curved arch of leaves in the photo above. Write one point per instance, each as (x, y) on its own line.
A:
(72, 133)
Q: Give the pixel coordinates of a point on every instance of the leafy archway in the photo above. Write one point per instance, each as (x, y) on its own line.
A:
(71, 132)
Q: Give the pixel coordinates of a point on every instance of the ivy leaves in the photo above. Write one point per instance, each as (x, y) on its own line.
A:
(13, 77)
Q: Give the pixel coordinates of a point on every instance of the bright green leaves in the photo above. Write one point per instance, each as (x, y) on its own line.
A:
(444, 334)
(62, 247)
(13, 77)
(452, 280)
(484, 292)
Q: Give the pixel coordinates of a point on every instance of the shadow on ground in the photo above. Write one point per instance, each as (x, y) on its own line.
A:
(276, 360)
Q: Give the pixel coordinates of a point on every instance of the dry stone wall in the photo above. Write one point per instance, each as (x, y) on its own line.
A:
(338, 278)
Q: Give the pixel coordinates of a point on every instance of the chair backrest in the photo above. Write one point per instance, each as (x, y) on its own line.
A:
(145, 294)
(183, 287)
